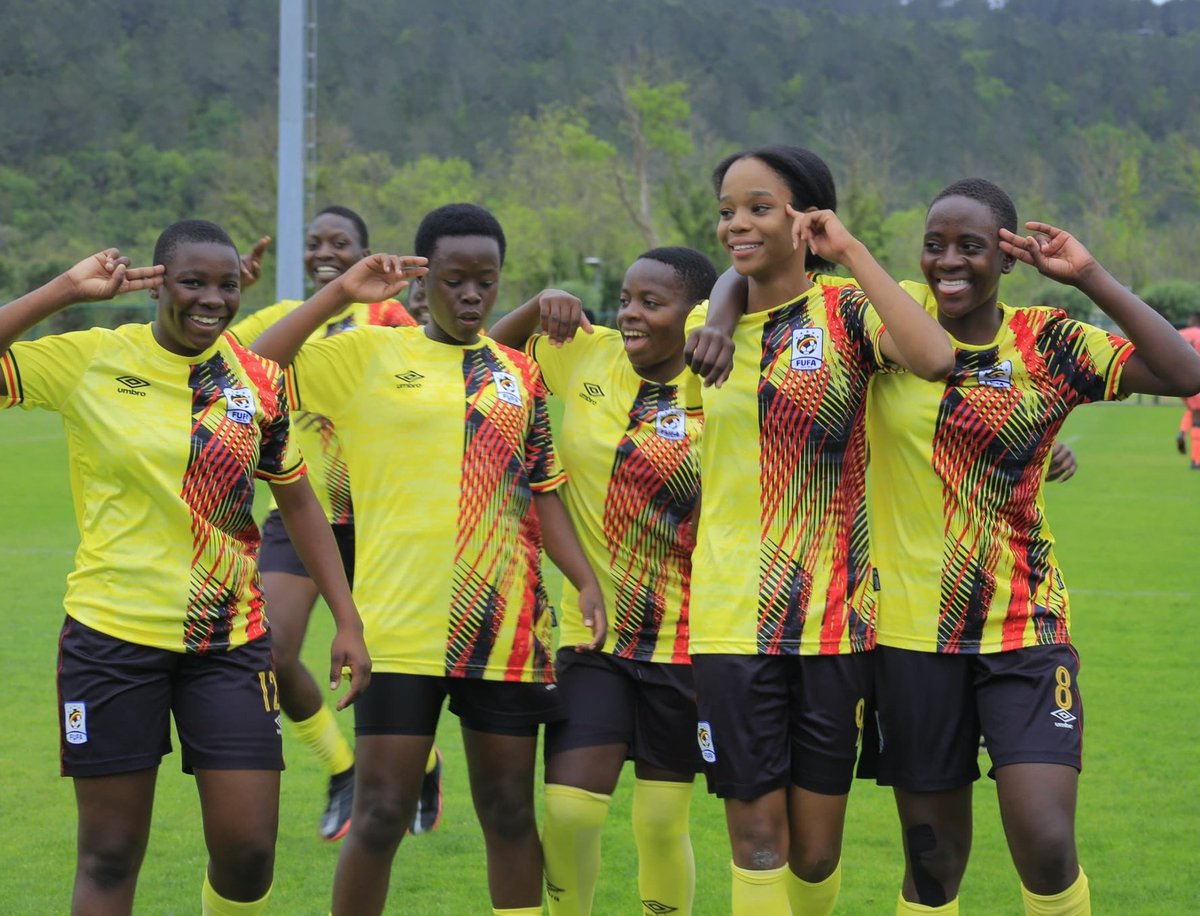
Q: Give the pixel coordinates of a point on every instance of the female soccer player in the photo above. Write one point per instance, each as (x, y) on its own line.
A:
(983, 643)
(168, 424)
(783, 600)
(335, 240)
(630, 446)
(455, 604)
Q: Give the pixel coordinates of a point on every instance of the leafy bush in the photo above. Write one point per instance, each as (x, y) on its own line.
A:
(1175, 300)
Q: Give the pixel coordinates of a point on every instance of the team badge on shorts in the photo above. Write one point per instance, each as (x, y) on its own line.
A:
(507, 388)
(704, 739)
(239, 405)
(807, 348)
(75, 722)
(670, 424)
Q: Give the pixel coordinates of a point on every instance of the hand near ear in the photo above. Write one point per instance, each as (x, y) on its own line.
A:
(1054, 252)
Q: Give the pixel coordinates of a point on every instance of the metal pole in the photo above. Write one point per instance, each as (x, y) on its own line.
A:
(289, 225)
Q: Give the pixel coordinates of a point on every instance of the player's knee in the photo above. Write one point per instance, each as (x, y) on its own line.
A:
(243, 868)
(109, 867)
(814, 865)
(1050, 865)
(937, 861)
(759, 846)
(379, 823)
(507, 817)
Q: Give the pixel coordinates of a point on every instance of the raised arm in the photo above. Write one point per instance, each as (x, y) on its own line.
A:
(553, 312)
(913, 338)
(708, 351)
(313, 539)
(562, 547)
(252, 262)
(94, 279)
(373, 279)
(1162, 363)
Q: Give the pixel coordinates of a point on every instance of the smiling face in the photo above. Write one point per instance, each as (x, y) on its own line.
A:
(461, 287)
(418, 305)
(962, 263)
(754, 226)
(199, 296)
(331, 247)
(654, 307)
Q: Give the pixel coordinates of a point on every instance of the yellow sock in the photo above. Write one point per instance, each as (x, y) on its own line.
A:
(321, 735)
(809, 899)
(519, 911)
(1074, 901)
(573, 821)
(760, 893)
(666, 866)
(431, 763)
(905, 907)
(213, 904)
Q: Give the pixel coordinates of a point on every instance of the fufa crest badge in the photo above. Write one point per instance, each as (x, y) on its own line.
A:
(507, 388)
(239, 405)
(807, 348)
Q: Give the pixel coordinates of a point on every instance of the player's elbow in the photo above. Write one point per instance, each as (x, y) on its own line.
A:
(934, 366)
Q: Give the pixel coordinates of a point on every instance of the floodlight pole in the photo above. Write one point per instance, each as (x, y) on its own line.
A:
(289, 222)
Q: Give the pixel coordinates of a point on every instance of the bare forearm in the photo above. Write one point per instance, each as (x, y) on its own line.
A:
(727, 302)
(283, 339)
(515, 328)
(1159, 346)
(559, 539)
(313, 539)
(23, 313)
(921, 344)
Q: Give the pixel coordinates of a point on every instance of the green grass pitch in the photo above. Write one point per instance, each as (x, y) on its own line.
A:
(1128, 528)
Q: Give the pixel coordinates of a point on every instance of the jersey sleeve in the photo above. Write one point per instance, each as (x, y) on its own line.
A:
(863, 324)
(391, 314)
(279, 459)
(696, 318)
(558, 363)
(541, 460)
(249, 328)
(44, 373)
(1085, 360)
(325, 374)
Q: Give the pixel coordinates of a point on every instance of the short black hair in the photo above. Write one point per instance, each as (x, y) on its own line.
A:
(991, 195)
(695, 270)
(456, 220)
(806, 175)
(359, 223)
(186, 231)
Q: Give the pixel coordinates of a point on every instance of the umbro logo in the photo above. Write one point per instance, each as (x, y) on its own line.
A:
(130, 384)
(591, 391)
(410, 379)
(657, 906)
(1065, 719)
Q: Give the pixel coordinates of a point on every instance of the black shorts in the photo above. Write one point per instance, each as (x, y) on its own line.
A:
(649, 706)
(769, 721)
(932, 708)
(116, 699)
(410, 704)
(278, 555)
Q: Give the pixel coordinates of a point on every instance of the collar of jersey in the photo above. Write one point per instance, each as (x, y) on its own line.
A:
(178, 359)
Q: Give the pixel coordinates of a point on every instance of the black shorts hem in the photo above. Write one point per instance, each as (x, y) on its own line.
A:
(746, 792)
(113, 767)
(1066, 760)
(233, 763)
(919, 784)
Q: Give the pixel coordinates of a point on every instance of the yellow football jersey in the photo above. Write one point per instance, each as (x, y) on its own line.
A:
(959, 536)
(163, 451)
(631, 450)
(781, 565)
(450, 549)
